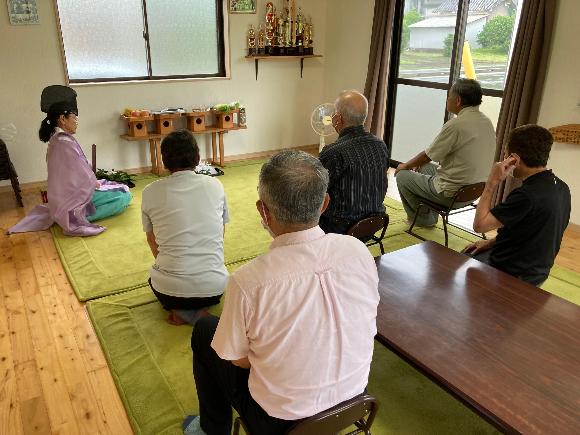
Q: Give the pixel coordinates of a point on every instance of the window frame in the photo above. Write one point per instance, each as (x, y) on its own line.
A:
(223, 64)
(454, 69)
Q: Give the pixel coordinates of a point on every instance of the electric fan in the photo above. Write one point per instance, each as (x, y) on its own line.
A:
(321, 120)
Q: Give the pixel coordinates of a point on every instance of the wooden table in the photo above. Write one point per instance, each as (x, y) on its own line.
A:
(508, 350)
(217, 136)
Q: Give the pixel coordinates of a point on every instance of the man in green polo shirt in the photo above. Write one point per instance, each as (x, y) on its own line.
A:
(464, 148)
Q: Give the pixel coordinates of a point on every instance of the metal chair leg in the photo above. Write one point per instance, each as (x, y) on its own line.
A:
(410, 230)
(445, 217)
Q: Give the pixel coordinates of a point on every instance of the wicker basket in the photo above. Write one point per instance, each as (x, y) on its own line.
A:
(569, 133)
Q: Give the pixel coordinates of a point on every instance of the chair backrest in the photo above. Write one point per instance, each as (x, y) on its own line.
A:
(470, 192)
(366, 228)
(359, 411)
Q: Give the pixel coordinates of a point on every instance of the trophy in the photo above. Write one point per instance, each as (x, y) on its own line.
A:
(251, 41)
(280, 39)
(270, 24)
(300, 31)
(292, 19)
(261, 42)
(310, 29)
(308, 48)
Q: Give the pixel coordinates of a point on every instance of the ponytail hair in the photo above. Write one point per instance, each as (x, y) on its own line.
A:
(48, 126)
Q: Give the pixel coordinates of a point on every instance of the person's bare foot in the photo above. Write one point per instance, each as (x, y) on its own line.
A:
(174, 319)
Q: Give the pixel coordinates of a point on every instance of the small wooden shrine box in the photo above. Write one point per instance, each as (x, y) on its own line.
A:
(164, 122)
(137, 125)
(225, 119)
(196, 120)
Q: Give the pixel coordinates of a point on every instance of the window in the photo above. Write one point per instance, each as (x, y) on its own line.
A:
(435, 37)
(107, 40)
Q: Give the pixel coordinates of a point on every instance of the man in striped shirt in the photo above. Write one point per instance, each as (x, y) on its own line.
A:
(357, 164)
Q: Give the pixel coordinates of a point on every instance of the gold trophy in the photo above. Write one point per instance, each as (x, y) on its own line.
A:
(308, 48)
(300, 31)
(281, 40)
(261, 41)
(251, 41)
(292, 18)
(310, 37)
(270, 24)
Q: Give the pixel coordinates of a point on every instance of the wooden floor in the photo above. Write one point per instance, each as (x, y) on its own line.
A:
(54, 378)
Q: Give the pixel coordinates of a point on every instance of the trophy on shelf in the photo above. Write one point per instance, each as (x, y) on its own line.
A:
(270, 27)
(251, 41)
(300, 32)
(283, 32)
(280, 42)
(261, 41)
(308, 47)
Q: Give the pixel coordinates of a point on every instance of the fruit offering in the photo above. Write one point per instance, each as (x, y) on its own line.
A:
(130, 112)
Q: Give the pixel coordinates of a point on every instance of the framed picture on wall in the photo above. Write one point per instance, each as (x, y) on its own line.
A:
(242, 6)
(23, 12)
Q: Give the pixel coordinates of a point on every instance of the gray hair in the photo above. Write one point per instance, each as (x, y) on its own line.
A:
(353, 107)
(293, 185)
(468, 90)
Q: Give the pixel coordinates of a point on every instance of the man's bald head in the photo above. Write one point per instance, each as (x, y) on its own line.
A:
(352, 107)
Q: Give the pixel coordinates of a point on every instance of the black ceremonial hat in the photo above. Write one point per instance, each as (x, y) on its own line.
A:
(58, 99)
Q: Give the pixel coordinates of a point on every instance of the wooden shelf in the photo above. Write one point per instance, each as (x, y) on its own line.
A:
(155, 145)
(259, 57)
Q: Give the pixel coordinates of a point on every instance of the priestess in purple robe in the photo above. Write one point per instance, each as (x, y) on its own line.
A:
(72, 185)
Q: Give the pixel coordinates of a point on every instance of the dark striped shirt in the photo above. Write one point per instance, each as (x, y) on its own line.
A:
(357, 164)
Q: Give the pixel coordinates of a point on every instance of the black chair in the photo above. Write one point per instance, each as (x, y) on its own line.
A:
(365, 230)
(359, 411)
(7, 172)
(467, 194)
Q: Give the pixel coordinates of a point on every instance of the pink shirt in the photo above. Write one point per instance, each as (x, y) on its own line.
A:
(304, 314)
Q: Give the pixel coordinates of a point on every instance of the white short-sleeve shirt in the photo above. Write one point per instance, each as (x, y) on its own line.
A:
(187, 212)
(304, 314)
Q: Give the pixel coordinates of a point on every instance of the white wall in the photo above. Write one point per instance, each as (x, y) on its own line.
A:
(348, 39)
(561, 98)
(278, 104)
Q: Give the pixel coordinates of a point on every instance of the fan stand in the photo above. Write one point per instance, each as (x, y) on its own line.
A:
(321, 143)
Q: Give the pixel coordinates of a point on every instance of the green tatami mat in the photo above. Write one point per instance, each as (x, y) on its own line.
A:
(113, 261)
(119, 259)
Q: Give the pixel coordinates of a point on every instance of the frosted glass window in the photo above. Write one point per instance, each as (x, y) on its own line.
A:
(103, 38)
(141, 39)
(183, 36)
(418, 119)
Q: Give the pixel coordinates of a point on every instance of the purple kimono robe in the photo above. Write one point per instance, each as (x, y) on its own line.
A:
(71, 184)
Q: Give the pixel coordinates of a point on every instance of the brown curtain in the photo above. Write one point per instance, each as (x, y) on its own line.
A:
(525, 79)
(378, 69)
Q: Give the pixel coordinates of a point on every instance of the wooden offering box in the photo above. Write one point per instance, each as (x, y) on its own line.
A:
(137, 125)
(225, 119)
(164, 122)
(196, 120)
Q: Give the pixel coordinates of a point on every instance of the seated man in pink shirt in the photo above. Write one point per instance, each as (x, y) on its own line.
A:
(296, 333)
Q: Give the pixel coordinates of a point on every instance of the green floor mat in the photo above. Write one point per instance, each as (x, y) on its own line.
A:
(119, 259)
